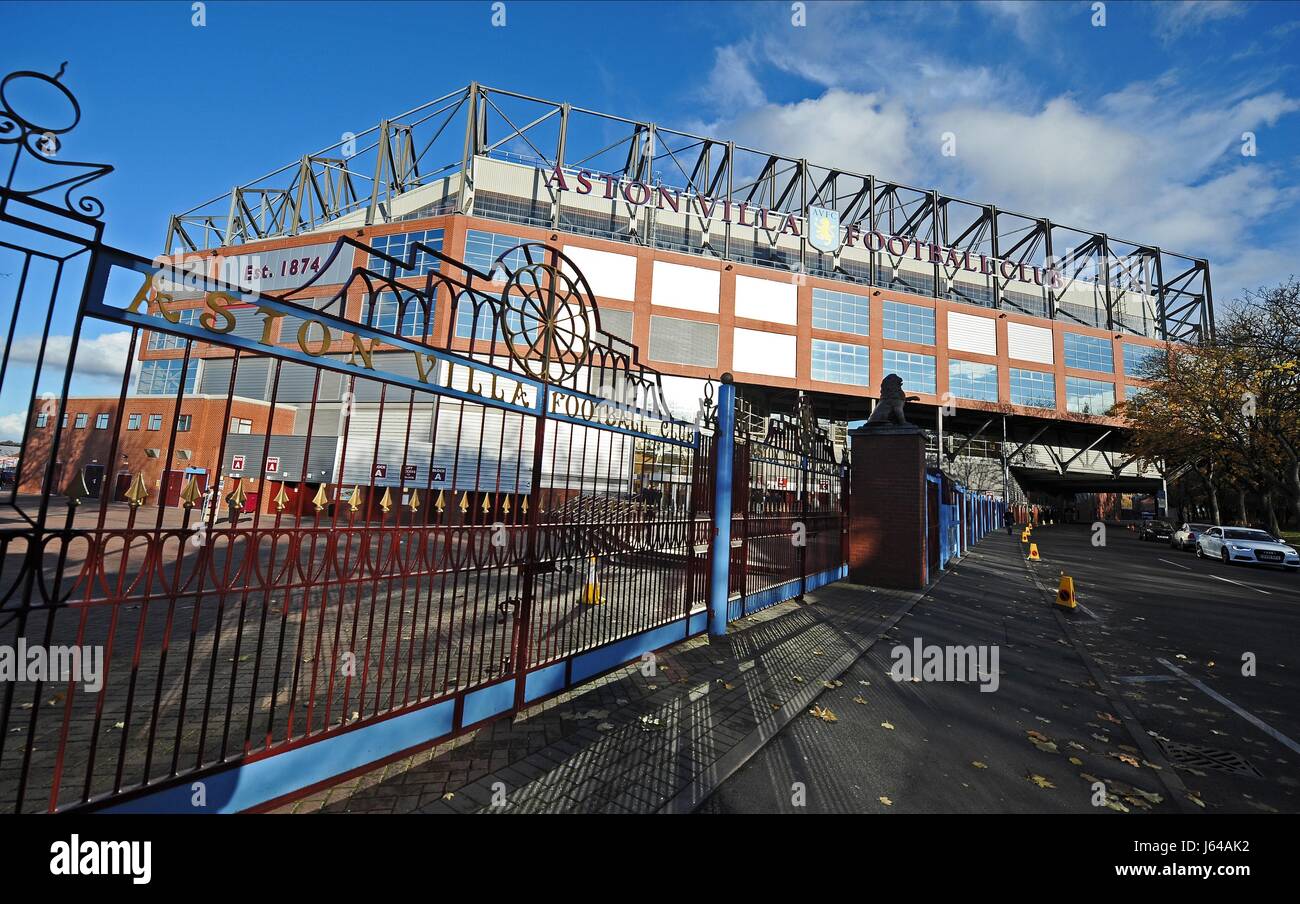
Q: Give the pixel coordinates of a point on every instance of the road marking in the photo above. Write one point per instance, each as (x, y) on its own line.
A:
(1239, 584)
(1144, 679)
(1179, 564)
(1253, 720)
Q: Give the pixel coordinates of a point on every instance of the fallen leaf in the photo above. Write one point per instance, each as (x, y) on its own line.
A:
(978, 765)
(1075, 761)
(886, 801)
(887, 726)
(824, 714)
(1107, 717)
(1040, 781)
(449, 795)
(859, 699)
(1042, 741)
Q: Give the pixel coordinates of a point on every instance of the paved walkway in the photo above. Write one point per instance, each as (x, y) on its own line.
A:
(636, 743)
(1039, 740)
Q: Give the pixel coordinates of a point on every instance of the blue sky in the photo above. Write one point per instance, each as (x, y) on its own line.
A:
(1133, 127)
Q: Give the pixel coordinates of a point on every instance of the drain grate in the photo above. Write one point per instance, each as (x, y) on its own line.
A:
(1198, 757)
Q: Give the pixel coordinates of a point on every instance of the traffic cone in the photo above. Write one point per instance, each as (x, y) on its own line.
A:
(591, 594)
(1033, 553)
(1024, 536)
(1065, 592)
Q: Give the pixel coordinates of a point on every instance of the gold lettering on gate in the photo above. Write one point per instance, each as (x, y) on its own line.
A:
(304, 337)
(270, 319)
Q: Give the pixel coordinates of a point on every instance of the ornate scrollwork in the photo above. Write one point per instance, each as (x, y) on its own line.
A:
(707, 414)
(34, 136)
(544, 319)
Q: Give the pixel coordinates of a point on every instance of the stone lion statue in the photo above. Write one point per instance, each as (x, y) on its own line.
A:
(889, 410)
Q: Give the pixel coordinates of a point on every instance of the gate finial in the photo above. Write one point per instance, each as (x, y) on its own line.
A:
(190, 493)
(414, 503)
(354, 501)
(386, 500)
(281, 498)
(77, 490)
(138, 492)
(321, 499)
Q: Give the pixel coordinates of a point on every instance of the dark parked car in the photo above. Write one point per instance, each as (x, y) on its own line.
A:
(1156, 530)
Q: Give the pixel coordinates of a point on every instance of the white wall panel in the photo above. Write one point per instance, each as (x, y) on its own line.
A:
(767, 299)
(968, 333)
(757, 352)
(691, 288)
(610, 275)
(1029, 343)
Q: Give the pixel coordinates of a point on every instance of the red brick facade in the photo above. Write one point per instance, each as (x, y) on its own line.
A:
(887, 542)
(142, 444)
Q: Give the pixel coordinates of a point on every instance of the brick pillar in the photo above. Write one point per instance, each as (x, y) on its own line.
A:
(887, 522)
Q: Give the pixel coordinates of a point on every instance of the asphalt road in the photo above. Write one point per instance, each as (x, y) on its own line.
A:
(946, 746)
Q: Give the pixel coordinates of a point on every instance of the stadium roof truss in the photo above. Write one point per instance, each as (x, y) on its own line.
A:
(368, 171)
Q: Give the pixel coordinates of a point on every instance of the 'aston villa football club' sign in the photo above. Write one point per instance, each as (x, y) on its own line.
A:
(824, 229)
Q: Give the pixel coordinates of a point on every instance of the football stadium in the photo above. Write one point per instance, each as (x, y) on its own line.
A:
(1018, 335)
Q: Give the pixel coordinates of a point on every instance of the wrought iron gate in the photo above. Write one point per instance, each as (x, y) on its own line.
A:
(375, 510)
(789, 507)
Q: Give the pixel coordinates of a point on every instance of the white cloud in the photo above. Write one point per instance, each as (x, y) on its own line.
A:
(1157, 161)
(12, 426)
(1181, 17)
(857, 132)
(731, 83)
(102, 356)
(1020, 14)
(1252, 268)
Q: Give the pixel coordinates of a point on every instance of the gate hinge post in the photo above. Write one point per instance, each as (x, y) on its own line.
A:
(720, 554)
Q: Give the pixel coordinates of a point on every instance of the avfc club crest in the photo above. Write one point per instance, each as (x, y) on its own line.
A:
(824, 229)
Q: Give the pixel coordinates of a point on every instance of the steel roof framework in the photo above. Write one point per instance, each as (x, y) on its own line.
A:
(416, 148)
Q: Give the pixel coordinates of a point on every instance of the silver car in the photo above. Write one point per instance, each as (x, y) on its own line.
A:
(1185, 536)
(1246, 545)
